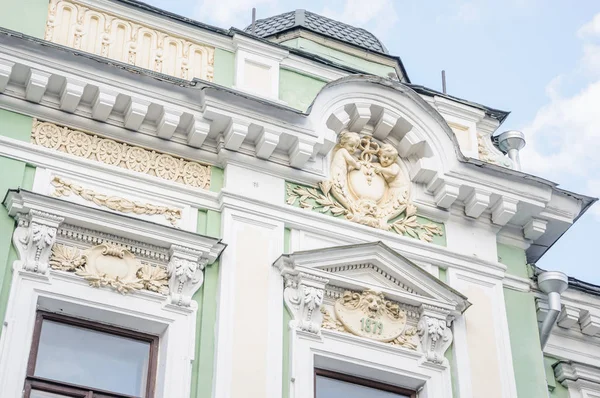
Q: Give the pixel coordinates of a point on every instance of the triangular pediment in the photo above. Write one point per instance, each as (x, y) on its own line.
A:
(375, 266)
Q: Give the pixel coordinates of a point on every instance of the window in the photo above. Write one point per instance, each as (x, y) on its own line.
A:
(77, 358)
(330, 384)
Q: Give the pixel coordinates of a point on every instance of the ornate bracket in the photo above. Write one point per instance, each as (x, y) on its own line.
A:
(434, 332)
(185, 271)
(303, 295)
(33, 238)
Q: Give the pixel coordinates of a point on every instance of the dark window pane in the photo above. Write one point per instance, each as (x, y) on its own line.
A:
(333, 388)
(91, 358)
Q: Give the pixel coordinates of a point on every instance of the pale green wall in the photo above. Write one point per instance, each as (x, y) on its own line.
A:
(209, 223)
(25, 16)
(224, 68)
(15, 174)
(514, 259)
(529, 370)
(298, 90)
(340, 57)
(557, 390)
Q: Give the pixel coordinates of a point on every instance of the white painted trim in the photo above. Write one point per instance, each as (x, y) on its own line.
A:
(69, 294)
(370, 360)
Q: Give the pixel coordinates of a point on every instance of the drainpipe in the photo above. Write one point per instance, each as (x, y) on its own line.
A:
(512, 142)
(553, 283)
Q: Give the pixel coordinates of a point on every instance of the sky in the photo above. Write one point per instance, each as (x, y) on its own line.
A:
(539, 59)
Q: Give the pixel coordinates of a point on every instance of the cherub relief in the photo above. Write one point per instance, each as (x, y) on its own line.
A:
(371, 185)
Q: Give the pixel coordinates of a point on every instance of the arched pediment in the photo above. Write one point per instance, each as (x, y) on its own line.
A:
(390, 112)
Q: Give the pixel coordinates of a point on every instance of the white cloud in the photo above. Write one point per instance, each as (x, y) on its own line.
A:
(591, 29)
(563, 139)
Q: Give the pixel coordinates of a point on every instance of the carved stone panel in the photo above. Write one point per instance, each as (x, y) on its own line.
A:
(367, 185)
(369, 314)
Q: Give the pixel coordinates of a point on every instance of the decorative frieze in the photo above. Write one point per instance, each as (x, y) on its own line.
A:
(114, 153)
(110, 265)
(75, 24)
(63, 187)
(369, 188)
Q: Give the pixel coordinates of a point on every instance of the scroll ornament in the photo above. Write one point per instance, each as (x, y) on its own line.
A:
(185, 271)
(435, 336)
(111, 266)
(33, 239)
(303, 295)
(367, 186)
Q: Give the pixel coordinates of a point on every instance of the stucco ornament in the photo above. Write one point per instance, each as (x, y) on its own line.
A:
(63, 187)
(33, 239)
(108, 265)
(368, 314)
(367, 186)
(435, 335)
(303, 295)
(186, 274)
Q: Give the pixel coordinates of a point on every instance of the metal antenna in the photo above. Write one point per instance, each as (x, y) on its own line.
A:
(444, 81)
(253, 20)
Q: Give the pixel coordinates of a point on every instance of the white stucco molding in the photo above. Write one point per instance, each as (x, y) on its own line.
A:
(163, 255)
(39, 218)
(315, 278)
(582, 381)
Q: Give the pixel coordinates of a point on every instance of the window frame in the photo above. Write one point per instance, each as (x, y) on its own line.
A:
(76, 391)
(361, 382)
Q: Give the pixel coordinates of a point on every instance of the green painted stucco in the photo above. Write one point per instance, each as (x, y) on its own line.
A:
(216, 179)
(555, 389)
(340, 57)
(523, 328)
(27, 16)
(525, 344)
(224, 68)
(443, 275)
(514, 258)
(16, 174)
(298, 90)
(209, 223)
(14, 125)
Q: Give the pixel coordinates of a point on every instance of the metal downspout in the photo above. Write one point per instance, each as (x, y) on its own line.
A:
(553, 283)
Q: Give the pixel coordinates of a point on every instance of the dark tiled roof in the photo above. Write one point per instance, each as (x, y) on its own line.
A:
(319, 24)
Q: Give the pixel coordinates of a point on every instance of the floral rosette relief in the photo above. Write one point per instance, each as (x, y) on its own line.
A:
(368, 186)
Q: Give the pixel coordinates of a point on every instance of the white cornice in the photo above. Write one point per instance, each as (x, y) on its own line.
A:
(241, 42)
(104, 221)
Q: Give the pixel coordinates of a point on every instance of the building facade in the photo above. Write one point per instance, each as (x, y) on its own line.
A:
(277, 211)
